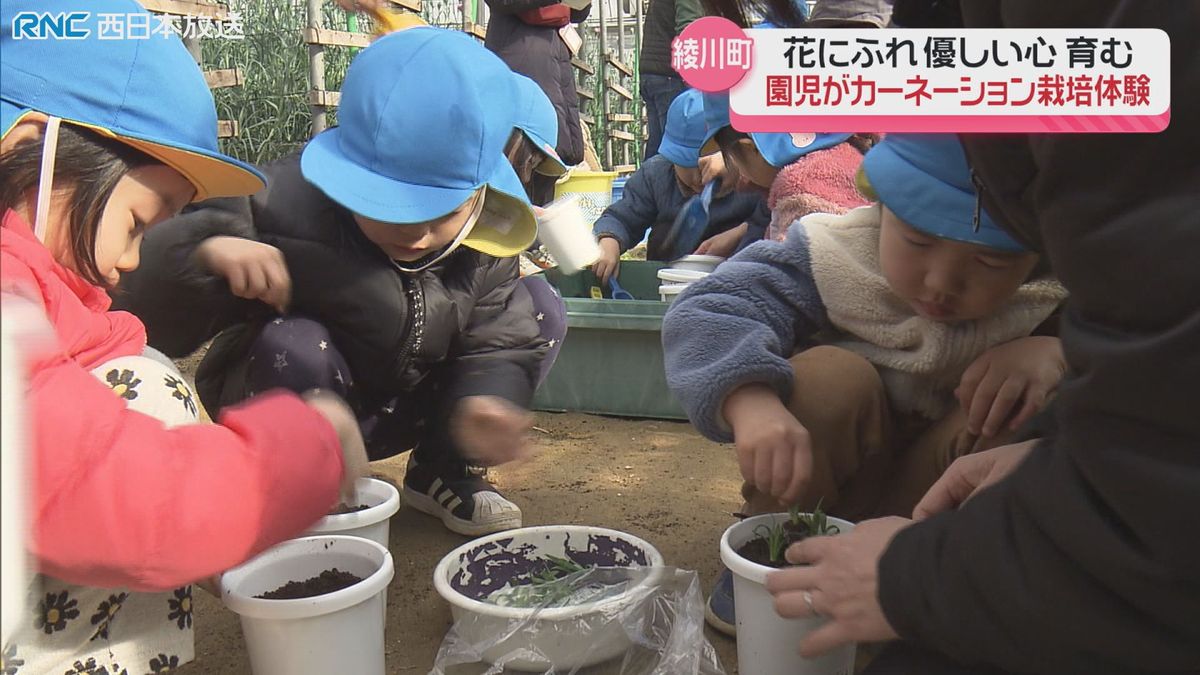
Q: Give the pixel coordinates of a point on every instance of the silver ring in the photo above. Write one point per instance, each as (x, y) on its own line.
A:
(809, 601)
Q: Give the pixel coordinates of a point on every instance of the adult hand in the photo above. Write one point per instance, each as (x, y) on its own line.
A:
(254, 270)
(354, 453)
(970, 474)
(840, 583)
(774, 450)
(610, 259)
(724, 243)
(490, 430)
(1015, 376)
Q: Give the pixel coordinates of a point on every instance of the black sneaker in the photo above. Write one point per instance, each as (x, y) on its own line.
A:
(461, 497)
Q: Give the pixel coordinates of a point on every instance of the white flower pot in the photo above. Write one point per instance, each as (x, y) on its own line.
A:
(339, 632)
(698, 263)
(768, 644)
(669, 292)
(669, 275)
(370, 523)
(565, 637)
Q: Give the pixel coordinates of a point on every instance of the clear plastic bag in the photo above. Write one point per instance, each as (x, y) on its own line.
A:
(601, 621)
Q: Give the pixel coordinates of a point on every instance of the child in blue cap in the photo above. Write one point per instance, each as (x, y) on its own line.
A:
(380, 264)
(800, 173)
(660, 188)
(853, 362)
(530, 149)
(101, 140)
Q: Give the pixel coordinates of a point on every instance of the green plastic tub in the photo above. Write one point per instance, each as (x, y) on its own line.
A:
(611, 362)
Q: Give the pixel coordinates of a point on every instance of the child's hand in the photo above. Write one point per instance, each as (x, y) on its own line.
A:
(1024, 371)
(354, 453)
(773, 449)
(491, 430)
(711, 167)
(723, 244)
(610, 259)
(254, 270)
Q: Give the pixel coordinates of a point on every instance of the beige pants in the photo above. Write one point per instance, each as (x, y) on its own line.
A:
(868, 460)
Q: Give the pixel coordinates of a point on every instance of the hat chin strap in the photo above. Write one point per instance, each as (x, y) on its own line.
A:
(476, 210)
(46, 178)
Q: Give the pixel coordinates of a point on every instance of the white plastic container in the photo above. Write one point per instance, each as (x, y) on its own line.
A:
(383, 500)
(698, 263)
(339, 632)
(674, 276)
(768, 644)
(669, 292)
(565, 232)
(568, 637)
(23, 333)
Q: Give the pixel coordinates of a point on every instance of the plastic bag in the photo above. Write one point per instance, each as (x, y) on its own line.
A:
(602, 620)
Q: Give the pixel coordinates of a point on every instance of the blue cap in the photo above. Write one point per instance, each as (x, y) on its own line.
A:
(145, 90)
(801, 8)
(778, 148)
(685, 131)
(538, 120)
(424, 118)
(924, 179)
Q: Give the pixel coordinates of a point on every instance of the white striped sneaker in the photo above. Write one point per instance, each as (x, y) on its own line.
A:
(461, 497)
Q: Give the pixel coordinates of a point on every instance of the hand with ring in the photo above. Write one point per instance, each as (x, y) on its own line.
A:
(812, 609)
(839, 583)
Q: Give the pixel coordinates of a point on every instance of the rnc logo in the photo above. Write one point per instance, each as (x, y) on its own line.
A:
(50, 25)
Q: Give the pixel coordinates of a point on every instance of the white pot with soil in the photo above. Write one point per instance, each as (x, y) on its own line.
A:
(502, 609)
(313, 606)
(767, 643)
(377, 500)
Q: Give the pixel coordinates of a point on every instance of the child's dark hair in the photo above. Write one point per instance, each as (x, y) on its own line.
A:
(89, 166)
(523, 156)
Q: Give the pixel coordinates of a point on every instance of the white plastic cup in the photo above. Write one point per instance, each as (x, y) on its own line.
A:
(339, 632)
(768, 644)
(382, 500)
(565, 232)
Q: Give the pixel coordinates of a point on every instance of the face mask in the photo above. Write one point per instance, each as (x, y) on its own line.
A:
(427, 262)
(46, 178)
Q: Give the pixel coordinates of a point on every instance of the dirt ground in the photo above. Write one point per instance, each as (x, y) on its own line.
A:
(659, 480)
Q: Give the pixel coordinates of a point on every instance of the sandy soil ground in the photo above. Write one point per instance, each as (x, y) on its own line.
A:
(658, 480)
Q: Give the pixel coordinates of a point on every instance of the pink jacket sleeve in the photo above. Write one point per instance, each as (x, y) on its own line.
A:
(119, 500)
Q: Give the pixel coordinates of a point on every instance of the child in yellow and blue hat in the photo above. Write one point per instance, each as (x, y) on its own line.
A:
(381, 264)
(131, 501)
(853, 362)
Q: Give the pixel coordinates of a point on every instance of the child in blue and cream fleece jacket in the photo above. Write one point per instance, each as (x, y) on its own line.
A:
(910, 303)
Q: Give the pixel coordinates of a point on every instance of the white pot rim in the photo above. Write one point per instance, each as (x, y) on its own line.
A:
(366, 517)
(741, 532)
(701, 258)
(299, 608)
(680, 276)
(442, 584)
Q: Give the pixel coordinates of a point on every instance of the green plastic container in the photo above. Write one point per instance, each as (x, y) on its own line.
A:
(611, 361)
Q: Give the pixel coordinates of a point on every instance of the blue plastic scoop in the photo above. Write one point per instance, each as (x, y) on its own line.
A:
(618, 293)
